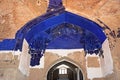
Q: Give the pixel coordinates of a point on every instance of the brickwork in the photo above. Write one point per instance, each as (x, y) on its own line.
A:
(93, 62)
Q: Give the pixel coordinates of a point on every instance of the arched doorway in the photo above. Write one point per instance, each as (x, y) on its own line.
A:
(64, 71)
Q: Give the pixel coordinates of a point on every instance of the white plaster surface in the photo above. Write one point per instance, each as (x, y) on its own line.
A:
(106, 62)
(94, 72)
(24, 59)
(10, 51)
(63, 52)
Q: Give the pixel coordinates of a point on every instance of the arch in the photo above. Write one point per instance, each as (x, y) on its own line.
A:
(63, 60)
(49, 20)
(39, 26)
(42, 23)
(66, 17)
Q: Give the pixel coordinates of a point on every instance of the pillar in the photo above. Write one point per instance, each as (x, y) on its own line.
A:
(24, 59)
(78, 73)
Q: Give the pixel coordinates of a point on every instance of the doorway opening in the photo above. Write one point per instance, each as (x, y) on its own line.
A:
(64, 71)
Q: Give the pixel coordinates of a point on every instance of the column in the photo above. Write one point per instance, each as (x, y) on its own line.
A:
(78, 73)
(24, 59)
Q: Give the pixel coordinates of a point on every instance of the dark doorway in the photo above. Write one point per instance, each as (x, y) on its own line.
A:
(64, 71)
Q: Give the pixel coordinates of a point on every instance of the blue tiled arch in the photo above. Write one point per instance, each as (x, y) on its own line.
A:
(54, 16)
(48, 20)
(66, 17)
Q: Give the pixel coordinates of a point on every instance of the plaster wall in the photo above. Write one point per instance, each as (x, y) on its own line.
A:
(24, 59)
(93, 67)
(107, 61)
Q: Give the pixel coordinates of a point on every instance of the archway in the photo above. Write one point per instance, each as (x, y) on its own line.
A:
(64, 71)
(39, 29)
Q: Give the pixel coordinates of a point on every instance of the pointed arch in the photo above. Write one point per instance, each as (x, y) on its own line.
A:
(42, 23)
(69, 62)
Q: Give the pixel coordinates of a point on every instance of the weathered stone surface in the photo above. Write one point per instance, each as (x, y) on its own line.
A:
(16, 14)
